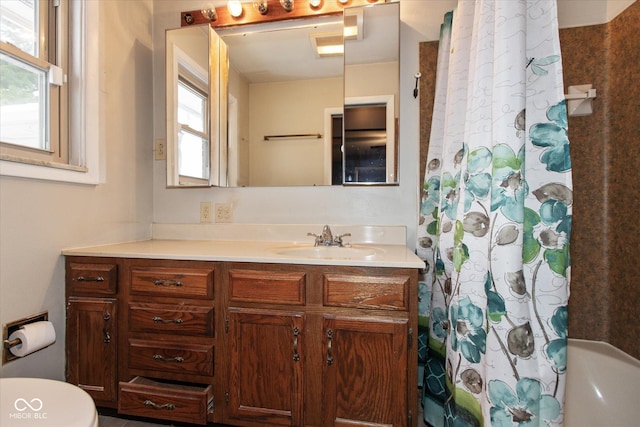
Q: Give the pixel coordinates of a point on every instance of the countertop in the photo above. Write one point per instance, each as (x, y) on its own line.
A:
(366, 245)
(284, 252)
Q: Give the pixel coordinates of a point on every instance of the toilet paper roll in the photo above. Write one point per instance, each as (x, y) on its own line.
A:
(33, 336)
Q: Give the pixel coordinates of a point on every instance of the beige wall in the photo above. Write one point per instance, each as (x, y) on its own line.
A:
(300, 110)
(39, 218)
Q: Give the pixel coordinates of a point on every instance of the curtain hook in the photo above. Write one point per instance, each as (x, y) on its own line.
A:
(415, 90)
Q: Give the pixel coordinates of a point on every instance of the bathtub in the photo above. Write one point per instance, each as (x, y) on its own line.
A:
(603, 386)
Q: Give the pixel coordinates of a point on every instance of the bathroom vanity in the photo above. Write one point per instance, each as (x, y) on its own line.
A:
(247, 333)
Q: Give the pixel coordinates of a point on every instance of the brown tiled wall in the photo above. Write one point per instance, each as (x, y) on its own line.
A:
(605, 150)
(427, 85)
(624, 200)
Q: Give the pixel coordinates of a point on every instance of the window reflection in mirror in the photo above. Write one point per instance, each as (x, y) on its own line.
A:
(190, 107)
(193, 125)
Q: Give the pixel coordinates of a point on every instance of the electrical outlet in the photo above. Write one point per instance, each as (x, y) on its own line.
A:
(160, 149)
(224, 212)
(205, 212)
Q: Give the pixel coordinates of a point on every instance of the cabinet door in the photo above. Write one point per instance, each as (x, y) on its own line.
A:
(266, 381)
(92, 347)
(365, 371)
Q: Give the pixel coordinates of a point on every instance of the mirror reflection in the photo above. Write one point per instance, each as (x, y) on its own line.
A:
(188, 106)
(371, 81)
(294, 91)
(280, 84)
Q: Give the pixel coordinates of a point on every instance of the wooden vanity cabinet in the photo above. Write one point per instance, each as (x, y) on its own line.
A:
(245, 344)
(320, 346)
(92, 327)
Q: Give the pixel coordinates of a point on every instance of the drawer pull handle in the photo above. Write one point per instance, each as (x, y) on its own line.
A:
(296, 355)
(90, 279)
(167, 282)
(160, 357)
(329, 351)
(157, 319)
(166, 406)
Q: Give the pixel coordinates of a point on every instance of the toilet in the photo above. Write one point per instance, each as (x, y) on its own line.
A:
(30, 402)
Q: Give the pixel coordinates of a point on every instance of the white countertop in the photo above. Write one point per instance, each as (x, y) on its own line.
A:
(385, 255)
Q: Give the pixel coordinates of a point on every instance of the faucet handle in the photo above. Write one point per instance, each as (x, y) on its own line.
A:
(318, 238)
(338, 239)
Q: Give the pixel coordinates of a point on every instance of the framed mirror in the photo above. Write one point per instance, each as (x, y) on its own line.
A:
(280, 120)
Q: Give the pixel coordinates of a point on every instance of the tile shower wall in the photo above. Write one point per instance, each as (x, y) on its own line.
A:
(605, 150)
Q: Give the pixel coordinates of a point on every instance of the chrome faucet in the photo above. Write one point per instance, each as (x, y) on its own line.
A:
(326, 238)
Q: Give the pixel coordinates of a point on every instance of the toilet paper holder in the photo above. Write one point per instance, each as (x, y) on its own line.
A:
(9, 328)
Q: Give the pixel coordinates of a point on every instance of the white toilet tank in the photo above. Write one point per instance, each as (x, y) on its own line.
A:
(31, 402)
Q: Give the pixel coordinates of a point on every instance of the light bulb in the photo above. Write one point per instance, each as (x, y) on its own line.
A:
(314, 3)
(262, 6)
(209, 14)
(234, 7)
(287, 5)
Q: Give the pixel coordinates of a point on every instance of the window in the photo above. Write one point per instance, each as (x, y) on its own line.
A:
(48, 109)
(33, 94)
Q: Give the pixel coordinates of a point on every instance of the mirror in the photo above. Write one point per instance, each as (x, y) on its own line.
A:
(193, 91)
(289, 96)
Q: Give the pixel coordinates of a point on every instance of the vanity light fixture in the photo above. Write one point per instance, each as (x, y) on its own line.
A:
(235, 8)
(234, 13)
(209, 14)
(262, 6)
(287, 5)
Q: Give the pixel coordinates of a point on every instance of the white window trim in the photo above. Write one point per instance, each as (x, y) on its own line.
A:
(85, 124)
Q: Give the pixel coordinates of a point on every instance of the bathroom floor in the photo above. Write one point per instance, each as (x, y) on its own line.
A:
(110, 421)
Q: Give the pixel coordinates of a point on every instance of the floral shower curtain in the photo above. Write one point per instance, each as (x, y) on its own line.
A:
(496, 220)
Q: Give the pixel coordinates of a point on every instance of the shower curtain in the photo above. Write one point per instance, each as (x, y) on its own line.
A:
(495, 220)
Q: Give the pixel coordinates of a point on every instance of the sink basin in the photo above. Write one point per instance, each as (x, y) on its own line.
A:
(329, 252)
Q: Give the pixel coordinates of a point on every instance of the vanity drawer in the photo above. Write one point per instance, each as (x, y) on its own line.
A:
(170, 401)
(166, 281)
(94, 279)
(367, 292)
(167, 318)
(270, 287)
(169, 356)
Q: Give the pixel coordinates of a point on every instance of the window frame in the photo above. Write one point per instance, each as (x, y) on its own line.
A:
(84, 124)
